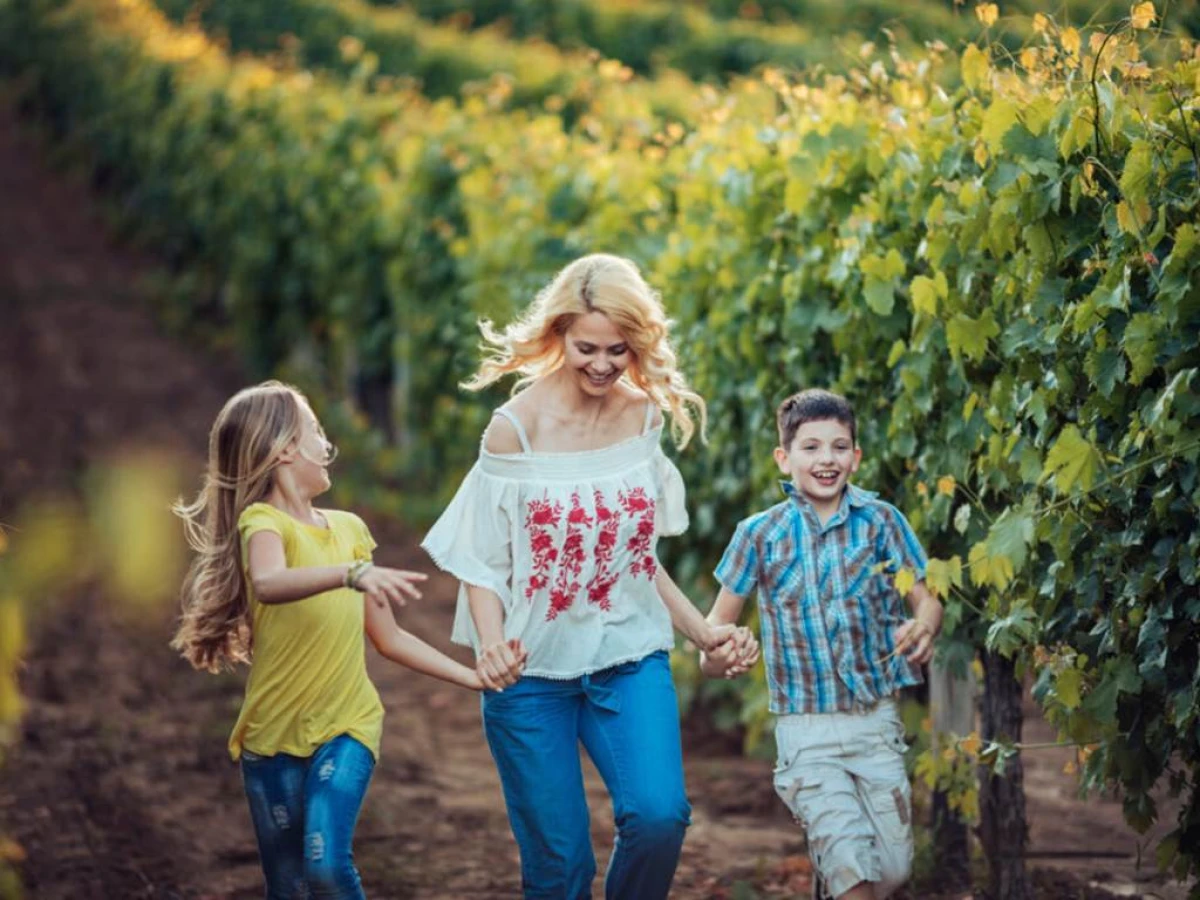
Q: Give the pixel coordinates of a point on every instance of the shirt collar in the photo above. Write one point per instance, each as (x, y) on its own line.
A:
(852, 497)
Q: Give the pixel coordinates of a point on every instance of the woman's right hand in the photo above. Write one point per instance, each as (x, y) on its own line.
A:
(383, 585)
(500, 664)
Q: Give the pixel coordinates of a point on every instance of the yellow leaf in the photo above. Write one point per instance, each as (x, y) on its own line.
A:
(1142, 15)
(975, 67)
(988, 12)
(1071, 41)
(970, 744)
(1070, 767)
(905, 581)
(981, 155)
(1029, 57)
(1041, 24)
(946, 485)
(1133, 217)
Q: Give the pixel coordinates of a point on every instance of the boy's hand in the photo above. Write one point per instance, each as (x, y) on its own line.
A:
(747, 651)
(383, 585)
(915, 639)
(732, 658)
(501, 664)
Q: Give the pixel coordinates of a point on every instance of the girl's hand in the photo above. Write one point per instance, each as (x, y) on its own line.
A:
(915, 639)
(500, 664)
(383, 585)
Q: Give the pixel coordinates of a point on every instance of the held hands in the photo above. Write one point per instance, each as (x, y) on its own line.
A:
(500, 664)
(914, 638)
(383, 585)
(733, 656)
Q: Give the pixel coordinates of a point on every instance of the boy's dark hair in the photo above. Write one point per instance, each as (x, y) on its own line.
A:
(813, 405)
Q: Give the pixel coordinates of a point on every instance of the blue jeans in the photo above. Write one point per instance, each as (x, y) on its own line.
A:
(628, 721)
(304, 812)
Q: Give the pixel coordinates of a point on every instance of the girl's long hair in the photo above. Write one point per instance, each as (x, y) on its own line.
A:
(251, 431)
(532, 345)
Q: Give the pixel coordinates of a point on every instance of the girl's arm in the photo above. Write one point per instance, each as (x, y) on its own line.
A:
(407, 649)
(686, 618)
(274, 582)
(496, 664)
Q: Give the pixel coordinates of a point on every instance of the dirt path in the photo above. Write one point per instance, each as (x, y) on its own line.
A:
(119, 787)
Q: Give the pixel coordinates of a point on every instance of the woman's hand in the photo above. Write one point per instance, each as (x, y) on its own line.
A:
(383, 585)
(733, 657)
(500, 664)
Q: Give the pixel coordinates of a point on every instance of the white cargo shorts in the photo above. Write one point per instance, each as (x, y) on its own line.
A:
(842, 776)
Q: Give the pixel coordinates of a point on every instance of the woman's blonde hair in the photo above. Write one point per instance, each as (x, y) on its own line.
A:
(533, 344)
(251, 431)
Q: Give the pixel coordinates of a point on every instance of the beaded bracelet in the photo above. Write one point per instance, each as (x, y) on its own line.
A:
(355, 572)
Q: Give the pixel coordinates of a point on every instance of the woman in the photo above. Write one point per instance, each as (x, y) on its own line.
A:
(553, 535)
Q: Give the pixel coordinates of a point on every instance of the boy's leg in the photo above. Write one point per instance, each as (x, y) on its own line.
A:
(630, 727)
(275, 791)
(812, 777)
(338, 775)
(532, 729)
(886, 795)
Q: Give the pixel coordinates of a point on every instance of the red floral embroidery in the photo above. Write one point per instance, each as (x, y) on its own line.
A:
(640, 507)
(601, 585)
(566, 585)
(559, 567)
(542, 518)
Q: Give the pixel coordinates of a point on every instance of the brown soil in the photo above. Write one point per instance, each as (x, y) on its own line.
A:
(119, 787)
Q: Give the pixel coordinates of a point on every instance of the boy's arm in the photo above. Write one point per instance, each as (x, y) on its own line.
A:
(725, 611)
(915, 637)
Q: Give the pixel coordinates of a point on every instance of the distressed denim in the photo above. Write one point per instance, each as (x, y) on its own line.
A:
(628, 721)
(304, 811)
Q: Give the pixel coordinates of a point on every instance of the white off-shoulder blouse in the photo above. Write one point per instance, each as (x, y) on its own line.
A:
(567, 542)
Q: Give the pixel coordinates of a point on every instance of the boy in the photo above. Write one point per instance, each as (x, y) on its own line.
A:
(837, 647)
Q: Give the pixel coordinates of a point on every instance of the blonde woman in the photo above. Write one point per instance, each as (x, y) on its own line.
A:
(553, 536)
(279, 584)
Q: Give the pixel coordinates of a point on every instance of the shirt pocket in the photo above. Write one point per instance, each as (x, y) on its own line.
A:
(860, 569)
(783, 570)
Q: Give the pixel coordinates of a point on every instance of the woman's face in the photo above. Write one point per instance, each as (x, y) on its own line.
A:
(596, 353)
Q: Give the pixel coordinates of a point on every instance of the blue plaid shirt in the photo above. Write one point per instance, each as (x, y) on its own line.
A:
(827, 605)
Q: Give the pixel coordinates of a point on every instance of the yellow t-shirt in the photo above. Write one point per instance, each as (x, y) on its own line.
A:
(308, 679)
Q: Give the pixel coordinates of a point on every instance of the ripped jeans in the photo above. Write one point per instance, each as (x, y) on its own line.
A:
(304, 812)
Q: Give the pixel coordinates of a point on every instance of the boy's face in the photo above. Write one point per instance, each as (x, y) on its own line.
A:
(820, 460)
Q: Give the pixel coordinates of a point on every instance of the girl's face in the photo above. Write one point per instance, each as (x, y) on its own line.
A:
(596, 353)
(312, 455)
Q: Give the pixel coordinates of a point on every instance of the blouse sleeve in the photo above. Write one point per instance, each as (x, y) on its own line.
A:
(671, 515)
(471, 540)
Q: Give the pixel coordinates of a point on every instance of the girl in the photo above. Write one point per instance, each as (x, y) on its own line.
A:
(553, 536)
(278, 577)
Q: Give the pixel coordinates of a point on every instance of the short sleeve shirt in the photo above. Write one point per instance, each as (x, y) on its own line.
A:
(308, 679)
(828, 605)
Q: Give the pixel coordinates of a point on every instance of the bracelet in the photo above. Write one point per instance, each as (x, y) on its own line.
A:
(355, 572)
